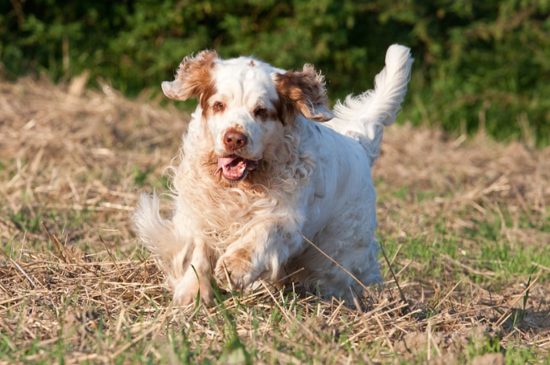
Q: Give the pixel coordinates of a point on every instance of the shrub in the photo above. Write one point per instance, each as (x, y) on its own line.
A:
(478, 64)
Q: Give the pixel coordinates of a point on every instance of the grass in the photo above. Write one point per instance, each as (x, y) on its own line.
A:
(464, 223)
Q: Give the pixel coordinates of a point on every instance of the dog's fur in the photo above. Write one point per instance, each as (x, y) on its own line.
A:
(271, 204)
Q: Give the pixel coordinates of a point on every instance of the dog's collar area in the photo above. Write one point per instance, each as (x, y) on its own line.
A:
(235, 168)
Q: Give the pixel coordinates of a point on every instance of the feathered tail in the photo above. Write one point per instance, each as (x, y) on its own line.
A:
(363, 117)
(156, 233)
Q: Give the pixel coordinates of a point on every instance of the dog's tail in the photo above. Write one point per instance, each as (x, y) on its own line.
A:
(156, 233)
(363, 117)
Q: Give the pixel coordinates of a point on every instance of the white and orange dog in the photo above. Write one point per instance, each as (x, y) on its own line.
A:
(265, 190)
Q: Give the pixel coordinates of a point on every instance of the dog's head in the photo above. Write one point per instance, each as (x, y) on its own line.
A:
(246, 105)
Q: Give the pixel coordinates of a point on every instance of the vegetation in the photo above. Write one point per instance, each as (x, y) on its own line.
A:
(465, 225)
(479, 64)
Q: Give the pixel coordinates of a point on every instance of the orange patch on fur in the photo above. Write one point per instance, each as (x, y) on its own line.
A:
(243, 256)
(195, 76)
(302, 92)
(235, 267)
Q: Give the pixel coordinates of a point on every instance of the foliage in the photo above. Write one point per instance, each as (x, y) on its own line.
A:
(478, 64)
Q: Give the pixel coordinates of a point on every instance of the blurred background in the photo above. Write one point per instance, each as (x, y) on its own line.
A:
(480, 65)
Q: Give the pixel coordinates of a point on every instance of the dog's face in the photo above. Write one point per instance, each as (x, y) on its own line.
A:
(245, 105)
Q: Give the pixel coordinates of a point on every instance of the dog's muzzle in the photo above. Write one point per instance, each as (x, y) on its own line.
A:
(235, 168)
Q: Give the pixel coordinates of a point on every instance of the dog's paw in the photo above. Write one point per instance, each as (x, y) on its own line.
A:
(189, 289)
(234, 270)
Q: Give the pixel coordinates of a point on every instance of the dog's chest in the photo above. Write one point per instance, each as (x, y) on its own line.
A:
(227, 215)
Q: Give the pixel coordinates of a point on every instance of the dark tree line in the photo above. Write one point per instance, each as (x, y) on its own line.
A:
(477, 62)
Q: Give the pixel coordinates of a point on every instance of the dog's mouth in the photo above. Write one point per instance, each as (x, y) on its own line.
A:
(235, 168)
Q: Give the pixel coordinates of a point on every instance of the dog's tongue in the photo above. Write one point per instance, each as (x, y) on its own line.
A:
(233, 167)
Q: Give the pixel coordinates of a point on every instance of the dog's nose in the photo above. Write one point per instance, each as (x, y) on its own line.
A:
(234, 140)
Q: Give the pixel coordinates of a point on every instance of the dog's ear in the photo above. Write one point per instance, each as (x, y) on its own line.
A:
(303, 92)
(193, 77)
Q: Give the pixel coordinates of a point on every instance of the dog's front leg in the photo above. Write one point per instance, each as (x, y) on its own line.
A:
(185, 258)
(264, 250)
(195, 278)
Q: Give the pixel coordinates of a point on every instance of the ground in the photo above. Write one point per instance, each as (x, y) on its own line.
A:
(464, 223)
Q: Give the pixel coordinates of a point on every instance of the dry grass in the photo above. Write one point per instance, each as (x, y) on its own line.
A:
(466, 225)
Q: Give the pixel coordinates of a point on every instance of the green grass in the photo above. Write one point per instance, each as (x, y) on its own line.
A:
(507, 262)
(474, 267)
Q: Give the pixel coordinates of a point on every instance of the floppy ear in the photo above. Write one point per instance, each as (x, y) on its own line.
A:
(193, 77)
(303, 92)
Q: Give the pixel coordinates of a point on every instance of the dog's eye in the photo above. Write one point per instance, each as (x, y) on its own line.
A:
(260, 112)
(218, 107)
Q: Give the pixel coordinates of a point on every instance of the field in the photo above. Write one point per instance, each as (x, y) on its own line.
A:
(464, 223)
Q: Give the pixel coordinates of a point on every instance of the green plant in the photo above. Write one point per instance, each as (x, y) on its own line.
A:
(479, 65)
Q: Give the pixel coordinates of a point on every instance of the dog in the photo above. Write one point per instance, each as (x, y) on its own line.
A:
(272, 184)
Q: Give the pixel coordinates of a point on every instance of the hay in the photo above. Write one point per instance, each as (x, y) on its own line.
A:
(71, 273)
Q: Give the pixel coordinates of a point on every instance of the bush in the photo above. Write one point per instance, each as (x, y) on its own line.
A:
(477, 63)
